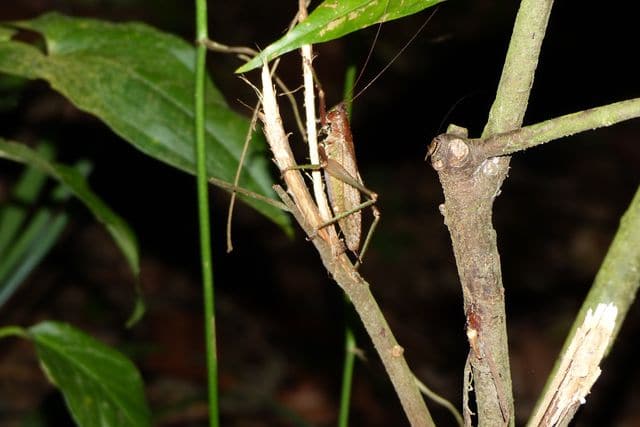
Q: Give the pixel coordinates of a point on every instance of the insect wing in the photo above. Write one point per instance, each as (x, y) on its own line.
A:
(341, 168)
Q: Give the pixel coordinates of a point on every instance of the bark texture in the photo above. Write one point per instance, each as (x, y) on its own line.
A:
(469, 181)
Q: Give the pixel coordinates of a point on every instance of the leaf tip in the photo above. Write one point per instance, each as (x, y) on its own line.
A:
(250, 65)
(138, 312)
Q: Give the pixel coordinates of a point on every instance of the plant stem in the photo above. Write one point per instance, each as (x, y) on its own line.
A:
(13, 331)
(347, 369)
(203, 212)
(471, 184)
(337, 263)
(349, 337)
(617, 282)
(306, 52)
(440, 401)
(358, 290)
(512, 95)
(482, 278)
(559, 127)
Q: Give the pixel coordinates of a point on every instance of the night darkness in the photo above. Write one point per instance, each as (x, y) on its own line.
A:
(279, 316)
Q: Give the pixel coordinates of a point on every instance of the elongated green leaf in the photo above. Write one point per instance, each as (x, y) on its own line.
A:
(42, 234)
(118, 228)
(24, 193)
(24, 255)
(100, 385)
(23, 244)
(139, 81)
(335, 18)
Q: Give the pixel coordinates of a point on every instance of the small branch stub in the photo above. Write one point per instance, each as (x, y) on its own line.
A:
(453, 151)
(448, 151)
(459, 152)
(397, 351)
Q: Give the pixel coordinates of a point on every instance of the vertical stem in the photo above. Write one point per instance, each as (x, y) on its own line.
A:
(512, 95)
(347, 92)
(310, 111)
(506, 114)
(347, 369)
(349, 337)
(203, 211)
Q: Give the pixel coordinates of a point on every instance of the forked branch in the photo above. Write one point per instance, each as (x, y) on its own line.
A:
(455, 150)
(470, 185)
(337, 263)
(560, 127)
(471, 172)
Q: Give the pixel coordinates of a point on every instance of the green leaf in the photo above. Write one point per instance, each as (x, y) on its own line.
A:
(23, 244)
(335, 18)
(78, 185)
(139, 81)
(24, 193)
(13, 331)
(27, 251)
(6, 33)
(100, 385)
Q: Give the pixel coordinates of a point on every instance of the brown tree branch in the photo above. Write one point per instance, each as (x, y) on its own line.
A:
(338, 264)
(464, 167)
(470, 183)
(462, 150)
(467, 213)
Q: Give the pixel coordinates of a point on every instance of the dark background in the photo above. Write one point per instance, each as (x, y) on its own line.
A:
(279, 316)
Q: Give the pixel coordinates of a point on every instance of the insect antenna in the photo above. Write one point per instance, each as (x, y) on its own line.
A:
(450, 111)
(366, 61)
(396, 56)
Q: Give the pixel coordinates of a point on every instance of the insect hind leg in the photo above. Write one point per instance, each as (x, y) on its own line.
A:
(376, 218)
(372, 229)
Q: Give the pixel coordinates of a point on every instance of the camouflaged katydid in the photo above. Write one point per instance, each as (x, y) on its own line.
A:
(341, 177)
(343, 181)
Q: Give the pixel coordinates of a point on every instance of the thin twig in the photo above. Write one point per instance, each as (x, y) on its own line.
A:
(236, 178)
(310, 112)
(245, 54)
(221, 47)
(338, 264)
(242, 52)
(440, 401)
(232, 188)
(559, 127)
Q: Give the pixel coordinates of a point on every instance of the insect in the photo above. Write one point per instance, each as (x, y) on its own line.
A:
(341, 177)
(343, 181)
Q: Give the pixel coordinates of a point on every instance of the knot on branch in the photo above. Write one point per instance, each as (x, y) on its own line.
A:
(449, 151)
(453, 153)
